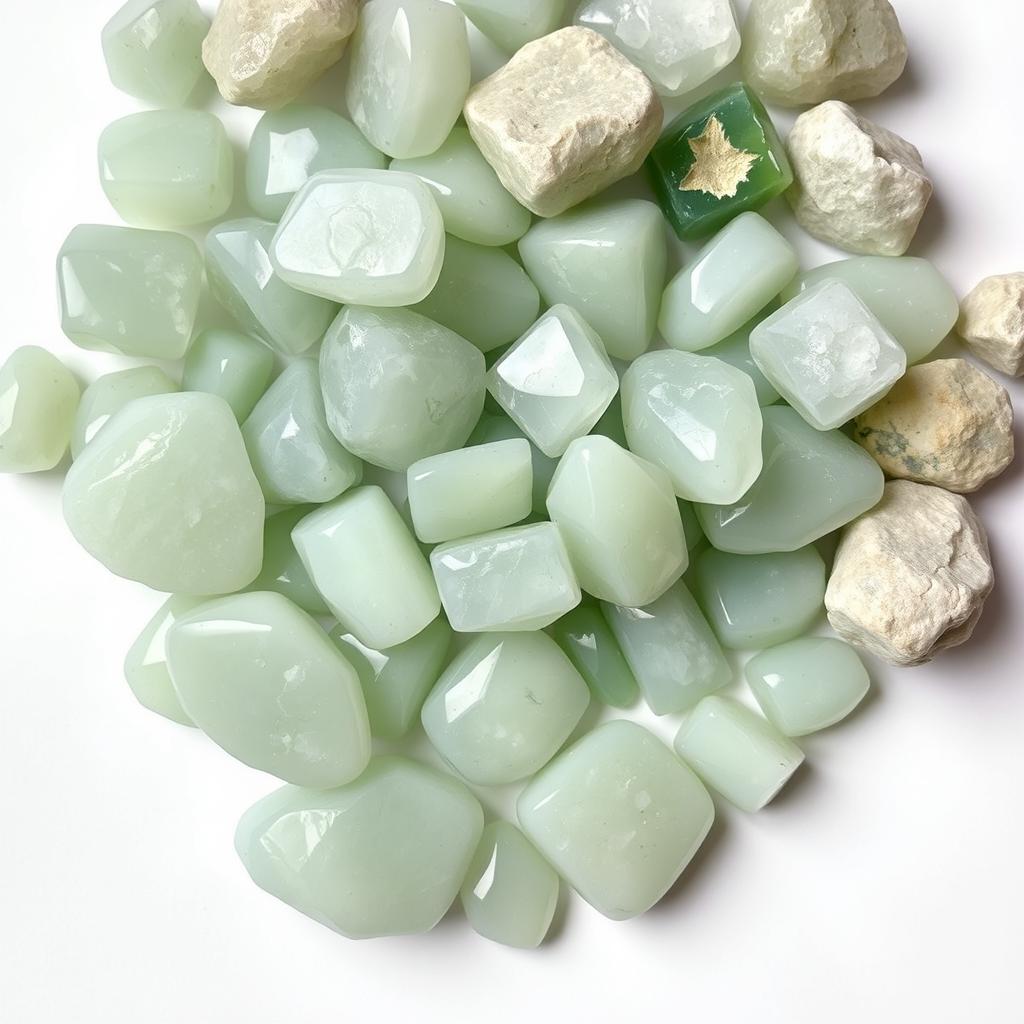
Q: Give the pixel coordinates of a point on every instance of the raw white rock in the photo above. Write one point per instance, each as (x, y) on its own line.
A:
(944, 423)
(264, 53)
(857, 185)
(910, 576)
(806, 51)
(564, 119)
(992, 322)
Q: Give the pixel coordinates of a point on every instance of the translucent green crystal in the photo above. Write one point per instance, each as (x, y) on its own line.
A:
(500, 428)
(283, 571)
(735, 350)
(511, 26)
(588, 642)
(229, 364)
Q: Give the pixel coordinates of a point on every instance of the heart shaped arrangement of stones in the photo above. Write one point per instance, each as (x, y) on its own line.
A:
(473, 456)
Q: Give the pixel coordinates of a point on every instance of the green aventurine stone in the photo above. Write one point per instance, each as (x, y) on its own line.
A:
(510, 891)
(813, 482)
(38, 400)
(511, 26)
(283, 571)
(716, 159)
(384, 855)
(165, 495)
(136, 292)
(499, 427)
(618, 816)
(588, 643)
(229, 364)
(735, 350)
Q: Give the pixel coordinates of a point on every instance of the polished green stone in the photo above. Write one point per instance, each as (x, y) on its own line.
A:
(733, 119)
(513, 25)
(691, 525)
(283, 571)
(499, 427)
(589, 644)
(735, 350)
(230, 364)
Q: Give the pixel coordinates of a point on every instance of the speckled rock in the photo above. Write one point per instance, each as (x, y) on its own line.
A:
(992, 322)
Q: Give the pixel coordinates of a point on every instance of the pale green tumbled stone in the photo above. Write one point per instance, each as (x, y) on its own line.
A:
(384, 855)
(737, 752)
(588, 643)
(618, 816)
(132, 291)
(283, 571)
(366, 564)
(38, 400)
(396, 681)
(229, 364)
(511, 891)
(813, 482)
(244, 282)
(754, 601)
(506, 581)
(289, 146)
(499, 427)
(670, 649)
(735, 350)
(294, 455)
(607, 260)
(474, 204)
(513, 25)
(165, 495)
(504, 706)
(398, 387)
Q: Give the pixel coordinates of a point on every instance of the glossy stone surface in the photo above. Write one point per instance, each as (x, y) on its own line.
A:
(807, 684)
(589, 644)
(511, 26)
(384, 855)
(165, 496)
(408, 74)
(737, 752)
(500, 428)
(696, 417)
(136, 292)
(367, 237)
(608, 261)
(283, 571)
(507, 581)
(229, 364)
(812, 483)
(294, 455)
(398, 387)
(618, 817)
(716, 159)
(243, 280)
(735, 350)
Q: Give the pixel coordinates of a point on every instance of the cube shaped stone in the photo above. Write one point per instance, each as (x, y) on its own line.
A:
(230, 364)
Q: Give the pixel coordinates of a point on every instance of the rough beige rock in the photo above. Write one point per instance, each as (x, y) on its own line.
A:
(943, 423)
(565, 118)
(807, 51)
(910, 576)
(264, 53)
(992, 322)
(856, 184)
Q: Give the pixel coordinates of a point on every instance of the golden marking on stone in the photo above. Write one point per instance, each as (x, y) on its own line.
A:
(719, 168)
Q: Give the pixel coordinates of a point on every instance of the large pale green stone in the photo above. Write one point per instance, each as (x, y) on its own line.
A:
(737, 752)
(384, 855)
(132, 291)
(283, 571)
(500, 428)
(608, 261)
(754, 601)
(229, 364)
(618, 816)
(244, 282)
(38, 401)
(588, 643)
(813, 482)
(504, 706)
(365, 562)
(670, 649)
(165, 495)
(398, 387)
(290, 145)
(294, 455)
(263, 681)
(513, 25)
(511, 891)
(698, 418)
(735, 350)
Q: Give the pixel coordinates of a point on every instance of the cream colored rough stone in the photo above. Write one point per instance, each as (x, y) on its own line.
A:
(806, 51)
(944, 423)
(264, 53)
(564, 119)
(856, 184)
(992, 322)
(910, 576)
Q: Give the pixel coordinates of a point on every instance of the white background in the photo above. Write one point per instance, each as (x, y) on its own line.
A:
(884, 885)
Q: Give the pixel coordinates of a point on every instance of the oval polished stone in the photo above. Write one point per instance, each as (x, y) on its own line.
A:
(229, 364)
(511, 26)
(283, 571)
(384, 855)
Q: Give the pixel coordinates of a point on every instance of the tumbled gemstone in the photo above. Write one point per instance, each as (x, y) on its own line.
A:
(618, 816)
(283, 571)
(384, 855)
(365, 562)
(509, 580)
(735, 350)
(608, 261)
(136, 292)
(812, 483)
(510, 26)
(737, 752)
(500, 428)
(504, 706)
(826, 353)
(229, 364)
(698, 418)
(588, 643)
(165, 495)
(398, 387)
